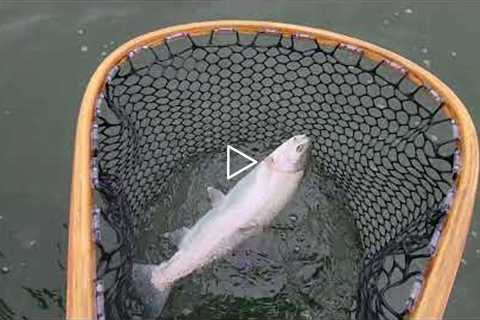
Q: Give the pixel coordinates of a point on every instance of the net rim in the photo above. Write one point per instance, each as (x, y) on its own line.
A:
(441, 270)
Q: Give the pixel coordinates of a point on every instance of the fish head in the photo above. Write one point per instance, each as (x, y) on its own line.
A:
(292, 155)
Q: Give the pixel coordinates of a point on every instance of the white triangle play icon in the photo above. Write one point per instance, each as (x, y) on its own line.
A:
(251, 164)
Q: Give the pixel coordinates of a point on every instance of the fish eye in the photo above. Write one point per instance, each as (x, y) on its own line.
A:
(300, 148)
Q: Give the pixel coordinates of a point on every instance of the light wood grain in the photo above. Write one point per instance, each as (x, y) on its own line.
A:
(442, 268)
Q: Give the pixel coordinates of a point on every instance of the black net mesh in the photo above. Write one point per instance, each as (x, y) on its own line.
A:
(381, 137)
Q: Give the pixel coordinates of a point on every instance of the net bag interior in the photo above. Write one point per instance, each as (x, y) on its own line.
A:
(381, 135)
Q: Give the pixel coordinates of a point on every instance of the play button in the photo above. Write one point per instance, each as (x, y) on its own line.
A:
(251, 162)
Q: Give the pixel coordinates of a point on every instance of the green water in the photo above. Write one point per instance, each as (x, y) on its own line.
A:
(304, 266)
(50, 49)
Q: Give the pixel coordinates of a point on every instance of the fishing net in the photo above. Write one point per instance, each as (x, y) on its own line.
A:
(380, 136)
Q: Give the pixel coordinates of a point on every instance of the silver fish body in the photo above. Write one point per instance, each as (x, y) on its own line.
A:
(243, 212)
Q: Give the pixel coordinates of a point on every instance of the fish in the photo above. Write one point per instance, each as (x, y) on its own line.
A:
(248, 208)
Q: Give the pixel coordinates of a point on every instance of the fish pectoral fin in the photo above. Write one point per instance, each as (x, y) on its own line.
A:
(177, 236)
(216, 196)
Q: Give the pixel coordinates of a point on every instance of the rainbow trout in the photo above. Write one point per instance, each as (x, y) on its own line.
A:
(243, 212)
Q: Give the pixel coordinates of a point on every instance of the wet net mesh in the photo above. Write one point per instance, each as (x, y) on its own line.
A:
(380, 136)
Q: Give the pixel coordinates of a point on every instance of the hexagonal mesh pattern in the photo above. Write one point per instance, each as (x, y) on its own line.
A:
(381, 137)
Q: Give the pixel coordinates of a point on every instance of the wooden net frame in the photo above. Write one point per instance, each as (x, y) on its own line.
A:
(442, 267)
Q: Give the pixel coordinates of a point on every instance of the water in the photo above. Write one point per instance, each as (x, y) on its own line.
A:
(44, 74)
(304, 266)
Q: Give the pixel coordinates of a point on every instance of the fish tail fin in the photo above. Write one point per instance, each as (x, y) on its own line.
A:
(152, 296)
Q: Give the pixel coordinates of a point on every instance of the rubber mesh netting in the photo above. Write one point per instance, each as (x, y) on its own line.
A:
(380, 136)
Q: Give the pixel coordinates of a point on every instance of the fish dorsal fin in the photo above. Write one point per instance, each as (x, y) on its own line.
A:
(216, 196)
(177, 236)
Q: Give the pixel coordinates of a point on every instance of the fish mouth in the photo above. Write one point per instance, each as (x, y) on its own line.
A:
(302, 142)
(301, 138)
